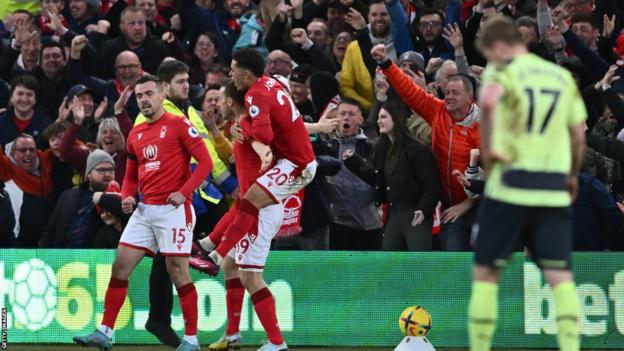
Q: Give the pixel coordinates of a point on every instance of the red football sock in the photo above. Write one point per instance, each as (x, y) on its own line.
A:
(113, 300)
(234, 293)
(225, 221)
(188, 304)
(246, 217)
(264, 304)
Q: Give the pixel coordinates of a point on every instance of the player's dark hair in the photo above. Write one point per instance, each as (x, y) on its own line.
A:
(148, 78)
(249, 59)
(169, 69)
(232, 92)
(349, 101)
(26, 81)
(585, 18)
(499, 28)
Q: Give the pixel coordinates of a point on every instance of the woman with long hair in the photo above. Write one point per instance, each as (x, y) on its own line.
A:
(404, 175)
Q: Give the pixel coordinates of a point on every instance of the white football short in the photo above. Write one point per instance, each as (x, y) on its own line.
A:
(163, 228)
(252, 250)
(282, 180)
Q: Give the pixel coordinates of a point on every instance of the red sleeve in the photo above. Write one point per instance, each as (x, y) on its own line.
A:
(130, 183)
(125, 123)
(418, 99)
(73, 154)
(259, 108)
(5, 165)
(195, 145)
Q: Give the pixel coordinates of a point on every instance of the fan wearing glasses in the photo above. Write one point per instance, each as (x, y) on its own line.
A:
(428, 30)
(85, 226)
(30, 192)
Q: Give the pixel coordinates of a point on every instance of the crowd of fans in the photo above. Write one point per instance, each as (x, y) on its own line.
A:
(396, 145)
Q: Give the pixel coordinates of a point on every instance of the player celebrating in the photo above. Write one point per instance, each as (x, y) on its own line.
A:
(532, 133)
(251, 252)
(159, 153)
(275, 122)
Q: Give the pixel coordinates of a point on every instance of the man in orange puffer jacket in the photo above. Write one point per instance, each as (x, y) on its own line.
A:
(454, 125)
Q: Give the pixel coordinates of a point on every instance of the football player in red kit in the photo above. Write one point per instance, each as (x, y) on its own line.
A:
(159, 153)
(277, 133)
(252, 249)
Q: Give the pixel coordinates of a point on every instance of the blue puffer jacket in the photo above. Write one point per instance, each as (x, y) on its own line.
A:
(252, 35)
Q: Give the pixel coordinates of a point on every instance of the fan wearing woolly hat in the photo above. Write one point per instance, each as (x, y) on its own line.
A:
(100, 170)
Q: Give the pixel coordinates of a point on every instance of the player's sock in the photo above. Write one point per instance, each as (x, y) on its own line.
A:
(188, 304)
(567, 316)
(207, 243)
(482, 314)
(246, 217)
(264, 304)
(113, 300)
(234, 294)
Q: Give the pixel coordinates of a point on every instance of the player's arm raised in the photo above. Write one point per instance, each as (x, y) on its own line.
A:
(195, 145)
(490, 94)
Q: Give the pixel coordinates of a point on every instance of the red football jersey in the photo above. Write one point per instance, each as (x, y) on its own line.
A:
(162, 152)
(276, 122)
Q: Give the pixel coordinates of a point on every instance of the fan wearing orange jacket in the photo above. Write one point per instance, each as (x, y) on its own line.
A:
(454, 125)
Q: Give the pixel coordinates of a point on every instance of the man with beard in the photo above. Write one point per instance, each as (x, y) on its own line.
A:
(22, 116)
(209, 204)
(356, 81)
(134, 37)
(223, 23)
(159, 152)
(74, 223)
(430, 42)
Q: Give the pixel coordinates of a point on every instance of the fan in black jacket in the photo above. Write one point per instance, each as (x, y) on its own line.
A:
(404, 174)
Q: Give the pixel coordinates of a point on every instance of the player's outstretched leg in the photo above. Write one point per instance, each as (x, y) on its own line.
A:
(125, 262)
(177, 267)
(244, 220)
(234, 294)
(483, 308)
(567, 308)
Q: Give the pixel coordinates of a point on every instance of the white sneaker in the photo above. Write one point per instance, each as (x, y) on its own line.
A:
(272, 347)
